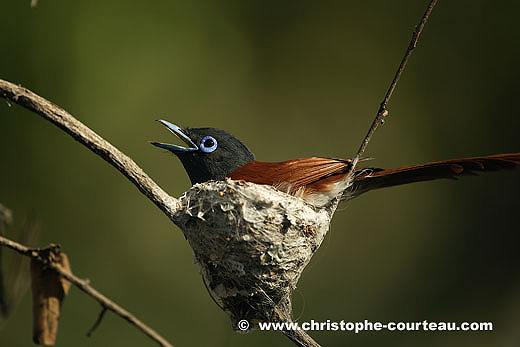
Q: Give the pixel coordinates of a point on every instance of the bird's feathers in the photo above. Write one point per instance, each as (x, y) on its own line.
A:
(368, 179)
(292, 175)
(309, 177)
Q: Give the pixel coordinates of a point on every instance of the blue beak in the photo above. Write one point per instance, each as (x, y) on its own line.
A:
(180, 134)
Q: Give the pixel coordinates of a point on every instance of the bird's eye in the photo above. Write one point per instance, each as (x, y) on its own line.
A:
(208, 144)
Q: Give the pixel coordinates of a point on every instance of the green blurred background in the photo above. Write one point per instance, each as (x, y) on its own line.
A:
(291, 79)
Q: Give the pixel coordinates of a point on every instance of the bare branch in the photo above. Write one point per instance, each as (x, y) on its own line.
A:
(298, 337)
(98, 321)
(84, 286)
(382, 112)
(92, 141)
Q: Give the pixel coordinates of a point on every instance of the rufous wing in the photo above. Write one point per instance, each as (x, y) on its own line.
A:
(292, 175)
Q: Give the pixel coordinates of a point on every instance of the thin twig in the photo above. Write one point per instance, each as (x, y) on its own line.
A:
(98, 321)
(92, 141)
(84, 286)
(382, 112)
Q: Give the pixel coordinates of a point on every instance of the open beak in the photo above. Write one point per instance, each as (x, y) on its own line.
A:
(178, 132)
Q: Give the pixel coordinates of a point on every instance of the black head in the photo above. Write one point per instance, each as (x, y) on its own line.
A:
(213, 153)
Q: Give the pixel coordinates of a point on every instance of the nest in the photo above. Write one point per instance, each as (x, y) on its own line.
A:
(252, 243)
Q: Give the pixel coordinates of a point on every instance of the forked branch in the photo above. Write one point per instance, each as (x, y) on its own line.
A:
(382, 112)
(88, 289)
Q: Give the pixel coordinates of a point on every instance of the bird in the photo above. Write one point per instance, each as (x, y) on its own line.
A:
(215, 154)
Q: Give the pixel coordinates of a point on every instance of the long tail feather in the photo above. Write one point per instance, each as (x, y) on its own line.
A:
(373, 178)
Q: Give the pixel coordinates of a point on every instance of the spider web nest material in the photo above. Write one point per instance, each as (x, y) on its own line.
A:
(252, 243)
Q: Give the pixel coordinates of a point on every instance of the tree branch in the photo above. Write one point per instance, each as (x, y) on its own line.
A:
(84, 286)
(92, 141)
(382, 112)
(298, 337)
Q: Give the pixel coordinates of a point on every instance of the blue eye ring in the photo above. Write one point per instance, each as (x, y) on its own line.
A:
(208, 144)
